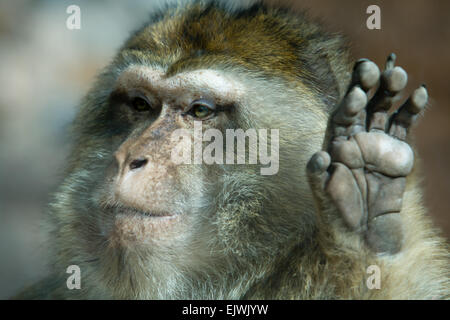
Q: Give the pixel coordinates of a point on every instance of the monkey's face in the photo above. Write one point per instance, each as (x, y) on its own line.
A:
(151, 199)
(135, 208)
(163, 218)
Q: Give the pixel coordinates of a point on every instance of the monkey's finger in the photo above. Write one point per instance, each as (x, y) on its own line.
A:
(316, 170)
(365, 75)
(345, 193)
(350, 117)
(392, 81)
(402, 120)
(347, 152)
(390, 61)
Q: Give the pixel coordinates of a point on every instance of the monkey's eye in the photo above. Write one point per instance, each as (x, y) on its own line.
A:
(202, 109)
(140, 105)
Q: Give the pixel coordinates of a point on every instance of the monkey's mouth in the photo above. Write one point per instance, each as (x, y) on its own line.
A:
(129, 226)
(156, 214)
(130, 211)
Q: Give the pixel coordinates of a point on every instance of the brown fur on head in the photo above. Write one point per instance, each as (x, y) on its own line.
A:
(273, 69)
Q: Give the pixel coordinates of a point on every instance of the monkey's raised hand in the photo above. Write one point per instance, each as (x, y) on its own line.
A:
(367, 161)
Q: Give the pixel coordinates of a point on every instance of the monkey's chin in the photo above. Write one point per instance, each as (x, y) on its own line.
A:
(134, 229)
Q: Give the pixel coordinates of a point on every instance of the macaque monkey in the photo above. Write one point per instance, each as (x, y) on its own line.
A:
(345, 196)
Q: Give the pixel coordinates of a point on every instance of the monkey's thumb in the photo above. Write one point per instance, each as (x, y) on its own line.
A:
(316, 170)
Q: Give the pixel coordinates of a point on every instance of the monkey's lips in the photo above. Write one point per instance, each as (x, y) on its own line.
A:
(131, 211)
(130, 226)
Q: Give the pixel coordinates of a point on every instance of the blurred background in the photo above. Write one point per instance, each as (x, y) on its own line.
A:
(45, 69)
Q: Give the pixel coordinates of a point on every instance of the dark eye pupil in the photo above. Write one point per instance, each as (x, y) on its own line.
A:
(140, 104)
(201, 111)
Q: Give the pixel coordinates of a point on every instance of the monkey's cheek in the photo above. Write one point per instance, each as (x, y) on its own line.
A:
(127, 230)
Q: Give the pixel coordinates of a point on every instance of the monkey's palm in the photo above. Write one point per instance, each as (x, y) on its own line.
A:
(364, 172)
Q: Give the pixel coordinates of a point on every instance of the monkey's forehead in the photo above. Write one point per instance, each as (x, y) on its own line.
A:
(197, 35)
(269, 42)
(213, 82)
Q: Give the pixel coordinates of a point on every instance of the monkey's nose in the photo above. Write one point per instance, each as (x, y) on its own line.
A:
(138, 163)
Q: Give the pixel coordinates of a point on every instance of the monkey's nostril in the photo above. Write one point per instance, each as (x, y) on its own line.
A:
(138, 163)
